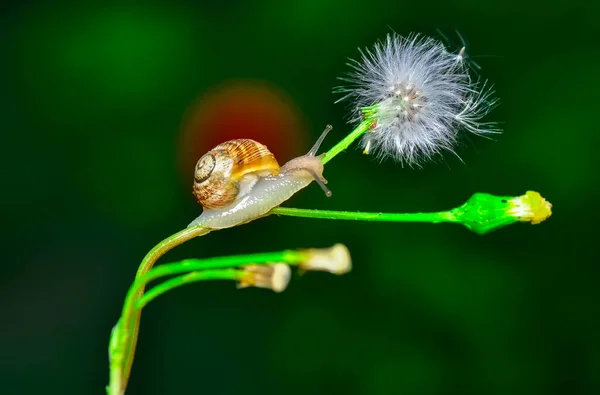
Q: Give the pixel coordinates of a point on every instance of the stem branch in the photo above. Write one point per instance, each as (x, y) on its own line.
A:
(128, 328)
(443, 216)
(124, 336)
(363, 127)
(219, 274)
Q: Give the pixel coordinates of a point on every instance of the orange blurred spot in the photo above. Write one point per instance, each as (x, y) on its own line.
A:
(246, 109)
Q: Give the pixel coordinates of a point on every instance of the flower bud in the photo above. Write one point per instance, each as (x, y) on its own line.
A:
(483, 212)
(334, 260)
(275, 276)
(530, 207)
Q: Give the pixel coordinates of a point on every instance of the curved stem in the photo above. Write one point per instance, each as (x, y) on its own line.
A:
(219, 274)
(221, 268)
(361, 129)
(442, 216)
(125, 333)
(190, 265)
(167, 244)
(291, 257)
(130, 328)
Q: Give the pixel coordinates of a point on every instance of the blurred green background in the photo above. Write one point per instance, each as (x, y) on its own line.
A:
(105, 108)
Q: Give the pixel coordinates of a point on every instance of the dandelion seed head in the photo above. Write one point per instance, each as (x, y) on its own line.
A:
(419, 95)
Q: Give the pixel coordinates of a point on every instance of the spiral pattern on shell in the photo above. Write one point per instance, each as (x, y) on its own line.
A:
(228, 171)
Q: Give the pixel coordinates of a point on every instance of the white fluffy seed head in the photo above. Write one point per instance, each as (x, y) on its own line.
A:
(420, 96)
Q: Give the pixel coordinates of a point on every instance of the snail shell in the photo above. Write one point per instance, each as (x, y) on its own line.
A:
(229, 171)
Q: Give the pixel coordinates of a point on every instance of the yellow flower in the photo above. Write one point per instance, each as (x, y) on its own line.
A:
(483, 212)
(531, 207)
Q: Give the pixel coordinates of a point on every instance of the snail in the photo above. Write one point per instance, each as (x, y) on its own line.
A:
(240, 180)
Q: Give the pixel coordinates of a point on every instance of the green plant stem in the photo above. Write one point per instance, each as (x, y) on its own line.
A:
(361, 129)
(189, 265)
(147, 263)
(443, 216)
(126, 332)
(291, 257)
(482, 213)
(167, 244)
(204, 275)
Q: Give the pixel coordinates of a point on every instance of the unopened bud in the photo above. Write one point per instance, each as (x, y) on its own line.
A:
(334, 260)
(530, 207)
(275, 276)
(483, 212)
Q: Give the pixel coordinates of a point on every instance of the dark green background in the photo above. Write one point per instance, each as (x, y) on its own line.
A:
(92, 103)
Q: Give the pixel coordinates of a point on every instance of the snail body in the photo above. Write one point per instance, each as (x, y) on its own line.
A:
(240, 180)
